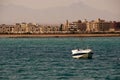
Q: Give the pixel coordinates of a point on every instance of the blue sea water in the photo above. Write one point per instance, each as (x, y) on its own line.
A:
(50, 59)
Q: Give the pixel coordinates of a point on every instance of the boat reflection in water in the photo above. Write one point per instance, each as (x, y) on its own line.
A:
(82, 53)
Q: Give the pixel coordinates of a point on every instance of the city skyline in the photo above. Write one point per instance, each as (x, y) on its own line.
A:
(43, 11)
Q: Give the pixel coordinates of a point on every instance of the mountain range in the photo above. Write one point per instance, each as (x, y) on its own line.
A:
(78, 11)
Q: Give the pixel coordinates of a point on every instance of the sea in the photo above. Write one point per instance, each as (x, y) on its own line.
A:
(50, 59)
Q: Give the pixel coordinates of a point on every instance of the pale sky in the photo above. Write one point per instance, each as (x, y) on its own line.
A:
(39, 4)
(57, 11)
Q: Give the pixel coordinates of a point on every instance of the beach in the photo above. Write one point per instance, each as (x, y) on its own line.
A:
(55, 35)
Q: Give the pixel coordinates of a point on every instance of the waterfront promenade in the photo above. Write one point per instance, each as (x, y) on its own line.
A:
(56, 35)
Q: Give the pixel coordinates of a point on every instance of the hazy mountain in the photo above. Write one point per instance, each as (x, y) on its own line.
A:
(15, 13)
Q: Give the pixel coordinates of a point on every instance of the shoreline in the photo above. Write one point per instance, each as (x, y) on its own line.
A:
(55, 35)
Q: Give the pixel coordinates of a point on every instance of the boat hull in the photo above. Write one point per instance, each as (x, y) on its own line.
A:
(83, 55)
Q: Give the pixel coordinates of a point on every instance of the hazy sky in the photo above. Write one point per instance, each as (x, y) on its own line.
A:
(57, 11)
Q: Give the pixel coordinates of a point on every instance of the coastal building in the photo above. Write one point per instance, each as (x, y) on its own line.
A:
(44, 29)
(112, 25)
(90, 27)
(76, 26)
(6, 28)
(81, 26)
(103, 25)
(117, 26)
(65, 26)
(72, 27)
(19, 28)
(98, 26)
(33, 28)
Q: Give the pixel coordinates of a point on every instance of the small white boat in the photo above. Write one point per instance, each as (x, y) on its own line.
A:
(82, 53)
